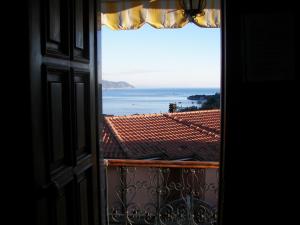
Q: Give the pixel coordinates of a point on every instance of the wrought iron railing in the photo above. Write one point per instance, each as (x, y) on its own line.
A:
(161, 192)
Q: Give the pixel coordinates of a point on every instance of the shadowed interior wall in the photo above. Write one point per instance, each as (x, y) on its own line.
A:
(260, 112)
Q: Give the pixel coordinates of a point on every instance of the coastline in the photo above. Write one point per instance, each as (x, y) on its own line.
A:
(128, 101)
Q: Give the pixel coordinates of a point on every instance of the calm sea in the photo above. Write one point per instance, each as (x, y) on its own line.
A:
(154, 100)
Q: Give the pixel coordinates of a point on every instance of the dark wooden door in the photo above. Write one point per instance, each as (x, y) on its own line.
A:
(260, 89)
(64, 111)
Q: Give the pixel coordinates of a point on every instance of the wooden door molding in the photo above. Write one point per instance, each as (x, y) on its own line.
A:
(63, 80)
(56, 28)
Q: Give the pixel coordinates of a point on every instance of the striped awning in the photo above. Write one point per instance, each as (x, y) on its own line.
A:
(133, 14)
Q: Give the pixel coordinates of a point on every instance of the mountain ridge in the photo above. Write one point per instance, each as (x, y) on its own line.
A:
(116, 84)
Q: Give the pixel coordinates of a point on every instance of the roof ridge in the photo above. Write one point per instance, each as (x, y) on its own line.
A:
(201, 128)
(195, 112)
(135, 116)
(116, 135)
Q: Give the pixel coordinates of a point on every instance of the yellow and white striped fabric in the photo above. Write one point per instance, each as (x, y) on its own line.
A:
(132, 14)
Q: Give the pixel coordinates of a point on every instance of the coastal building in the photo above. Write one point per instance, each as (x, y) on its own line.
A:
(170, 136)
(173, 137)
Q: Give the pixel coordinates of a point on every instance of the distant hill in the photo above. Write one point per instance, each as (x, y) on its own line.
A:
(118, 84)
(206, 101)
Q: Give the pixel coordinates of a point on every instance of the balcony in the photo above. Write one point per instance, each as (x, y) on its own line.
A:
(161, 192)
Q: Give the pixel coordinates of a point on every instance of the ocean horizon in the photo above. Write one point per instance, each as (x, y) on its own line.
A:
(128, 101)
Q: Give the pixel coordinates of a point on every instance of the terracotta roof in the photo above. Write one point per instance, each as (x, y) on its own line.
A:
(206, 119)
(110, 145)
(194, 135)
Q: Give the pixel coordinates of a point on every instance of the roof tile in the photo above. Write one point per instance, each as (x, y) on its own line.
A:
(169, 136)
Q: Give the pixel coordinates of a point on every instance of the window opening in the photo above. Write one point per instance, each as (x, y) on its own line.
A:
(161, 124)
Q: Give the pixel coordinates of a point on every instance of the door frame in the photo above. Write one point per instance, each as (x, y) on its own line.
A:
(223, 85)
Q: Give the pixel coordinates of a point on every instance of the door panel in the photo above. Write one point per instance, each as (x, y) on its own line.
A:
(81, 31)
(57, 98)
(84, 185)
(259, 99)
(81, 109)
(62, 209)
(64, 86)
(56, 29)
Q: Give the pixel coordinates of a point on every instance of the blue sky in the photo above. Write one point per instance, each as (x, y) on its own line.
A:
(149, 57)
